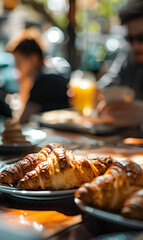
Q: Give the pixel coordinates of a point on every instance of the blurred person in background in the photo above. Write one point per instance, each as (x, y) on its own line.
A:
(40, 91)
(127, 71)
(4, 109)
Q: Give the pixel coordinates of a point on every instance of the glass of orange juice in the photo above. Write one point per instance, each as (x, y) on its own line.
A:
(83, 86)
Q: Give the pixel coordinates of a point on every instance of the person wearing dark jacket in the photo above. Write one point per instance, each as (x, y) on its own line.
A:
(44, 91)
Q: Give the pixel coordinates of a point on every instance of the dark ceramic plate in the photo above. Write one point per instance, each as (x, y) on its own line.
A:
(109, 217)
(98, 128)
(34, 137)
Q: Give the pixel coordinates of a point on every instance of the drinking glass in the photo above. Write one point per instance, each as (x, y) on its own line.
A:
(83, 86)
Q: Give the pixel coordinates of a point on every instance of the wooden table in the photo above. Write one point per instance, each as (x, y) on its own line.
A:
(60, 219)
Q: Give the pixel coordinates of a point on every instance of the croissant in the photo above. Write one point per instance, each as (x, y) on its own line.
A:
(111, 190)
(63, 170)
(133, 206)
(12, 175)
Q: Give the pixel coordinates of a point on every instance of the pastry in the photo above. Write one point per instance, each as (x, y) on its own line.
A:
(13, 132)
(133, 206)
(63, 170)
(12, 175)
(110, 191)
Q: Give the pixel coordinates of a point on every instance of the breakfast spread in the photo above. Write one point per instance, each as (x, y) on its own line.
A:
(103, 182)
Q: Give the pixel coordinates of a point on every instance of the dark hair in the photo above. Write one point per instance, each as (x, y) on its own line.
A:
(28, 47)
(133, 9)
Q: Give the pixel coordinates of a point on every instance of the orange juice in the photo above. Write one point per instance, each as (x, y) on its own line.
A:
(84, 91)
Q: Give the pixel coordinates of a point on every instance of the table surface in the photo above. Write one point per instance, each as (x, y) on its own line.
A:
(61, 219)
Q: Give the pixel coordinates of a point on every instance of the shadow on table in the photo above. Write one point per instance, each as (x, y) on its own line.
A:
(99, 227)
(65, 206)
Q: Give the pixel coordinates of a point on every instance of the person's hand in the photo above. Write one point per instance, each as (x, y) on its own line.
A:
(122, 114)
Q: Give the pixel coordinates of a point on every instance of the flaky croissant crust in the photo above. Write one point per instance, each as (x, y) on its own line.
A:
(110, 191)
(63, 170)
(133, 206)
(54, 167)
(12, 175)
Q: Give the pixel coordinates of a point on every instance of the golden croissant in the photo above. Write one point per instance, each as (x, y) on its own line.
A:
(133, 206)
(13, 174)
(63, 170)
(111, 190)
